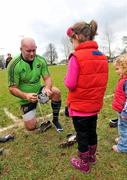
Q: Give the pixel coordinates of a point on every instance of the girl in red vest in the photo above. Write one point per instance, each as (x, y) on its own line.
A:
(86, 80)
(120, 103)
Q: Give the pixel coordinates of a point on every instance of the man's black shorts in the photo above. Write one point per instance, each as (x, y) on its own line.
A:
(28, 107)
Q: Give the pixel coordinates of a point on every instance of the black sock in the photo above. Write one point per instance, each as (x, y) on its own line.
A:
(56, 108)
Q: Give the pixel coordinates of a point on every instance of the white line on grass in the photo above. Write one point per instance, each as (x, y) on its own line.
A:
(10, 115)
(19, 122)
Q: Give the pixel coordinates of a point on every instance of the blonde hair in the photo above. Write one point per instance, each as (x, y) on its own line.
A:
(121, 61)
(86, 31)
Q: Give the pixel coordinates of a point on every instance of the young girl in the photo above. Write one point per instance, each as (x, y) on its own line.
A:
(86, 79)
(120, 103)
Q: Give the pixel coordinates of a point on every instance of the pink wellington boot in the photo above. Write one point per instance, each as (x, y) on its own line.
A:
(82, 162)
(92, 154)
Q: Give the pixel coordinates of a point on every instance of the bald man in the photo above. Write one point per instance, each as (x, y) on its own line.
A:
(25, 72)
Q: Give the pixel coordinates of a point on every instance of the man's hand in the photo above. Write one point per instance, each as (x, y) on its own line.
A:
(48, 92)
(31, 97)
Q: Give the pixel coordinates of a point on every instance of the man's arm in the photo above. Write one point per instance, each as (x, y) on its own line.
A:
(48, 84)
(31, 97)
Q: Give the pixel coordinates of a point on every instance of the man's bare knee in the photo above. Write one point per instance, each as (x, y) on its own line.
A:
(56, 94)
(30, 120)
(30, 125)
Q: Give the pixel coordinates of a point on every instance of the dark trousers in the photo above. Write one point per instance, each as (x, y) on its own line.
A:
(85, 128)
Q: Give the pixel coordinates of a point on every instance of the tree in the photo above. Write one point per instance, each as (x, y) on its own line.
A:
(67, 48)
(107, 41)
(124, 39)
(121, 49)
(51, 54)
(2, 61)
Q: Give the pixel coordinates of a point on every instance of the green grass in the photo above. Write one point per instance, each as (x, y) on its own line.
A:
(38, 156)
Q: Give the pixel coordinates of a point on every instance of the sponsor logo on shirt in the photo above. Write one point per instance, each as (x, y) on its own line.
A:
(38, 65)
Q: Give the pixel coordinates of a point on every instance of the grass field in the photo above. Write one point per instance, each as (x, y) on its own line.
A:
(38, 156)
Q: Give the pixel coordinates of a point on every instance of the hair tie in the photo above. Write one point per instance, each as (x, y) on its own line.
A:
(70, 32)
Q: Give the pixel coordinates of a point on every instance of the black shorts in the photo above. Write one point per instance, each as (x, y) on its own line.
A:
(28, 107)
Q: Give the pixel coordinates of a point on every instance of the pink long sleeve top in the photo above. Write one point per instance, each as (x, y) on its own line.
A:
(70, 82)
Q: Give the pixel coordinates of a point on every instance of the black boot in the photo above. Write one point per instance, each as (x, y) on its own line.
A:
(56, 108)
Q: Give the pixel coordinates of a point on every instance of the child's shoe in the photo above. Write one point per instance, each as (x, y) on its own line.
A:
(81, 163)
(92, 154)
(115, 149)
(116, 140)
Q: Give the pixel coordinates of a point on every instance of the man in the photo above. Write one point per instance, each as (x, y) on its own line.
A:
(25, 72)
(9, 58)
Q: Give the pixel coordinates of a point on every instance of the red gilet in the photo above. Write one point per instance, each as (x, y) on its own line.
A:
(93, 76)
(119, 96)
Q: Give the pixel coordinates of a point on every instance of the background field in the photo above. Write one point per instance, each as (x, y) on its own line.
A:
(38, 156)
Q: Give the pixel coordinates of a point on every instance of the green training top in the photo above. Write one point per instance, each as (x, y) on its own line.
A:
(27, 75)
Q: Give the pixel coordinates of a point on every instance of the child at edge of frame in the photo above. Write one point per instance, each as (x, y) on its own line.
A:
(120, 103)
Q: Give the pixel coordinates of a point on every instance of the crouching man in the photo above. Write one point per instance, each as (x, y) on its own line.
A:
(24, 76)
